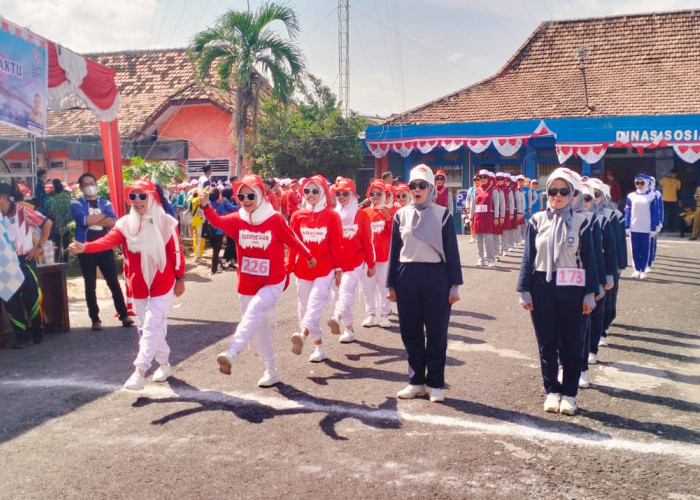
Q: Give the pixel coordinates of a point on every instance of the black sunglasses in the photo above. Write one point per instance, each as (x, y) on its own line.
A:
(417, 185)
(243, 196)
(587, 198)
(140, 196)
(639, 183)
(561, 191)
(375, 194)
(483, 177)
(343, 193)
(439, 178)
(404, 195)
(311, 191)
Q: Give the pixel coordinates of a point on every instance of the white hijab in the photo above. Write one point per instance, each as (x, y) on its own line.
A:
(148, 234)
(262, 212)
(349, 211)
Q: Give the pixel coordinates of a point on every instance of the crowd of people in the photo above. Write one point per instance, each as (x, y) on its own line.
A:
(397, 245)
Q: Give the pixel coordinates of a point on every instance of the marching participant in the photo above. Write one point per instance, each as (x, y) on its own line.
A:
(260, 233)
(402, 194)
(641, 220)
(557, 284)
(499, 238)
(357, 253)
(156, 273)
(424, 277)
(444, 194)
(484, 217)
(374, 287)
(319, 227)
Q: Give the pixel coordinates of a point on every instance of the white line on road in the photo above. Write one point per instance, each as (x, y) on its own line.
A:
(524, 429)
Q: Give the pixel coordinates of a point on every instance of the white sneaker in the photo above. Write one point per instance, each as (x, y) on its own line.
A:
(347, 337)
(225, 360)
(412, 391)
(584, 382)
(384, 322)
(269, 379)
(643, 276)
(603, 342)
(479, 262)
(568, 405)
(592, 359)
(318, 355)
(471, 240)
(647, 270)
(369, 321)
(560, 375)
(551, 402)
(162, 373)
(491, 264)
(635, 274)
(436, 395)
(136, 382)
(298, 343)
(334, 325)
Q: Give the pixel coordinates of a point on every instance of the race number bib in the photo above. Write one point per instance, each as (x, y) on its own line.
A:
(255, 267)
(571, 276)
(482, 209)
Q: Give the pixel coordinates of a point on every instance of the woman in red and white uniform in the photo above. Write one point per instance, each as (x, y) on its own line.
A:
(260, 234)
(402, 195)
(357, 254)
(155, 273)
(319, 227)
(374, 287)
(444, 194)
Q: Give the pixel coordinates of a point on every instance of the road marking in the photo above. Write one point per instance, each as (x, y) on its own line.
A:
(523, 429)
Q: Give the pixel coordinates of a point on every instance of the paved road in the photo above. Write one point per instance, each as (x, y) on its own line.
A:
(336, 429)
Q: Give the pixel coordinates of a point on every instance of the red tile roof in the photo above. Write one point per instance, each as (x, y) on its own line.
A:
(634, 65)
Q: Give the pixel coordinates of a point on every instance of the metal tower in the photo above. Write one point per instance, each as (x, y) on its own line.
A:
(343, 54)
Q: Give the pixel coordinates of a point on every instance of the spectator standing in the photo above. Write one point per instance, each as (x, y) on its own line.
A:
(615, 190)
(94, 217)
(670, 185)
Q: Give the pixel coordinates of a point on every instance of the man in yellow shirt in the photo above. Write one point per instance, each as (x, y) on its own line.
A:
(670, 185)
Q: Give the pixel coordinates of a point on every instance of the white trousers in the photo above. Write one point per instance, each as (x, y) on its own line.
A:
(372, 286)
(152, 314)
(345, 295)
(485, 246)
(254, 323)
(312, 297)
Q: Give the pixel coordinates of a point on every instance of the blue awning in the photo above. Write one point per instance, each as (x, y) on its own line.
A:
(587, 138)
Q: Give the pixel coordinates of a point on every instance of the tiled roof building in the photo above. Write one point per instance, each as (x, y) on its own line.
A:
(602, 94)
(634, 65)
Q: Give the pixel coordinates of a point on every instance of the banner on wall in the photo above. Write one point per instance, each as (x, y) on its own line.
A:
(23, 79)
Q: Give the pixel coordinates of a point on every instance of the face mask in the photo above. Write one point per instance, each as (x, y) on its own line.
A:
(90, 190)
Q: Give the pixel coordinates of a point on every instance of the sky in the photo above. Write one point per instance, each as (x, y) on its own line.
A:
(403, 53)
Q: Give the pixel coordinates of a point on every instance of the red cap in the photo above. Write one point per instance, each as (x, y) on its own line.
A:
(376, 184)
(143, 185)
(346, 184)
(441, 172)
(402, 187)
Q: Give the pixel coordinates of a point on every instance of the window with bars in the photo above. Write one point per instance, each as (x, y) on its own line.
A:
(220, 167)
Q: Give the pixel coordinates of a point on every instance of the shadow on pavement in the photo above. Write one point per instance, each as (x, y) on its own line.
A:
(651, 352)
(661, 431)
(69, 370)
(655, 340)
(676, 404)
(660, 331)
(383, 417)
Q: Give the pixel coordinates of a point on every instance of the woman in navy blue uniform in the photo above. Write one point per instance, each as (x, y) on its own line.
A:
(557, 284)
(423, 277)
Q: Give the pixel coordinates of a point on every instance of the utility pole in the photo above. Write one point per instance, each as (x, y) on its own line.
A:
(343, 54)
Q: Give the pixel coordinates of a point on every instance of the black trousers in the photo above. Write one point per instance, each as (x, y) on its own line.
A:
(558, 317)
(24, 307)
(670, 215)
(230, 250)
(217, 241)
(89, 262)
(422, 292)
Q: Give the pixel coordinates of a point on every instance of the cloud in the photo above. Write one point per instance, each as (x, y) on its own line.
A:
(455, 56)
(86, 26)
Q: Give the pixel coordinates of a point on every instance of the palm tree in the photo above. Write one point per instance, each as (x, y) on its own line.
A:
(242, 49)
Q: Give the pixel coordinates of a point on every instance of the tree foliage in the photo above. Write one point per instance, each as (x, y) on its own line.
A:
(309, 137)
(241, 50)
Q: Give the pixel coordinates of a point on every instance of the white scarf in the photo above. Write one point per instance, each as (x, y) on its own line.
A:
(148, 234)
(262, 212)
(347, 212)
(322, 201)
